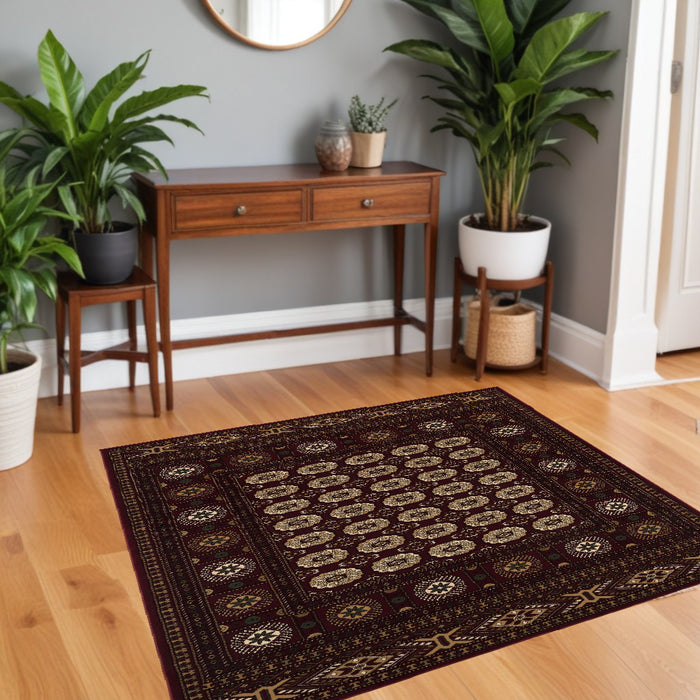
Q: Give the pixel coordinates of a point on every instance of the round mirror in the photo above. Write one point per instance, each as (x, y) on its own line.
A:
(277, 24)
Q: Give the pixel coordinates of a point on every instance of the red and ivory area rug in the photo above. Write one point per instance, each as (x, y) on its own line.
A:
(324, 556)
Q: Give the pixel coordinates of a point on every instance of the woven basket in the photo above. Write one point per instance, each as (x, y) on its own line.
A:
(511, 339)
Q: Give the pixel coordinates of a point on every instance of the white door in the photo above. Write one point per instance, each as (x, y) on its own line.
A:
(678, 297)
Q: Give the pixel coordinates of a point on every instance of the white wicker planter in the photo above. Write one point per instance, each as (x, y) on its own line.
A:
(19, 391)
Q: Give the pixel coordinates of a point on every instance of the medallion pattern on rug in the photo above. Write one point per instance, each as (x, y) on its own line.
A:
(323, 556)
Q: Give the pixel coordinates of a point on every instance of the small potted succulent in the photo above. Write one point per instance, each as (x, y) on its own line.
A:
(368, 131)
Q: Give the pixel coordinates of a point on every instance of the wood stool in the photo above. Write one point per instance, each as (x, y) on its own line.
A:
(75, 293)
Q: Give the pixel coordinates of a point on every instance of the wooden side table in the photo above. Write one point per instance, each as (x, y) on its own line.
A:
(482, 283)
(76, 294)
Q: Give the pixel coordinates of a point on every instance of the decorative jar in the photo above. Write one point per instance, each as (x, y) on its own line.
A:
(333, 145)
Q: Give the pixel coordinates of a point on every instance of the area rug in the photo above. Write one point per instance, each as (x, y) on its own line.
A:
(325, 556)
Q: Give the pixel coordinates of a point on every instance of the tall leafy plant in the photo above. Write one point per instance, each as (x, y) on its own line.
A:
(28, 255)
(94, 140)
(502, 87)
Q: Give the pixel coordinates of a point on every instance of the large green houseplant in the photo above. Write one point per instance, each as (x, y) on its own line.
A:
(94, 140)
(28, 258)
(502, 89)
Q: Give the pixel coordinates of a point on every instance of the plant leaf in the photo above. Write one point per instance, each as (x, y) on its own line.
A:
(576, 60)
(557, 152)
(427, 51)
(153, 99)
(62, 79)
(551, 41)
(521, 12)
(543, 11)
(459, 16)
(53, 157)
(551, 103)
(497, 29)
(517, 90)
(108, 90)
(465, 28)
(129, 199)
(29, 108)
(580, 121)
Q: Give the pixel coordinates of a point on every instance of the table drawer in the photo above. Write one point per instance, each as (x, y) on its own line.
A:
(370, 201)
(237, 209)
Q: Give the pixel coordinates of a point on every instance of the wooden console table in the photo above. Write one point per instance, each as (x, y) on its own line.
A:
(210, 202)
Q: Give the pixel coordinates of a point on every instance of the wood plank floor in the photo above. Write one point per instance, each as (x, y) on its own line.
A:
(72, 625)
(683, 365)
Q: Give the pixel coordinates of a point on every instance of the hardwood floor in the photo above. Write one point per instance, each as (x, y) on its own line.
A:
(72, 625)
(683, 365)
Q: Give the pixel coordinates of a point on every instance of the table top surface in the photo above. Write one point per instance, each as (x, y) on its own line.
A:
(298, 173)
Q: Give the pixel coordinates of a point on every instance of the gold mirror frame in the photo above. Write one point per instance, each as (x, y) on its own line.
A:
(209, 6)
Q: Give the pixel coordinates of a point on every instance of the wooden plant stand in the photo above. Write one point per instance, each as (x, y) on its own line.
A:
(482, 283)
(74, 294)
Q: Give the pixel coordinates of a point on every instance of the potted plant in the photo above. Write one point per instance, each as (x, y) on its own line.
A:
(503, 91)
(368, 132)
(28, 260)
(93, 141)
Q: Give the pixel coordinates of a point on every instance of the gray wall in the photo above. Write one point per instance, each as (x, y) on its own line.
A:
(580, 201)
(266, 107)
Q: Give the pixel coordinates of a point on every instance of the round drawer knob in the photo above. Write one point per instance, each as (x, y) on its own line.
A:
(367, 203)
(241, 210)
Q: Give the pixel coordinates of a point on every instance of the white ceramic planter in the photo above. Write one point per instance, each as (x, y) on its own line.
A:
(506, 255)
(19, 391)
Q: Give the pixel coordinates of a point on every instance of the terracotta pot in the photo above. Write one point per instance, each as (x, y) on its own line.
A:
(506, 255)
(367, 149)
(19, 391)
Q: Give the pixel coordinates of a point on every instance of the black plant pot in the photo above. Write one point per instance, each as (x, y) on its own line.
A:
(108, 258)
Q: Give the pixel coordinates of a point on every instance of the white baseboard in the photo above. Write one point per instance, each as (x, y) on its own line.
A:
(573, 344)
(252, 356)
(631, 355)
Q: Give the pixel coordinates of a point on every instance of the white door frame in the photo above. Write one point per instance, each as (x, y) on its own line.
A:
(678, 298)
(631, 337)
